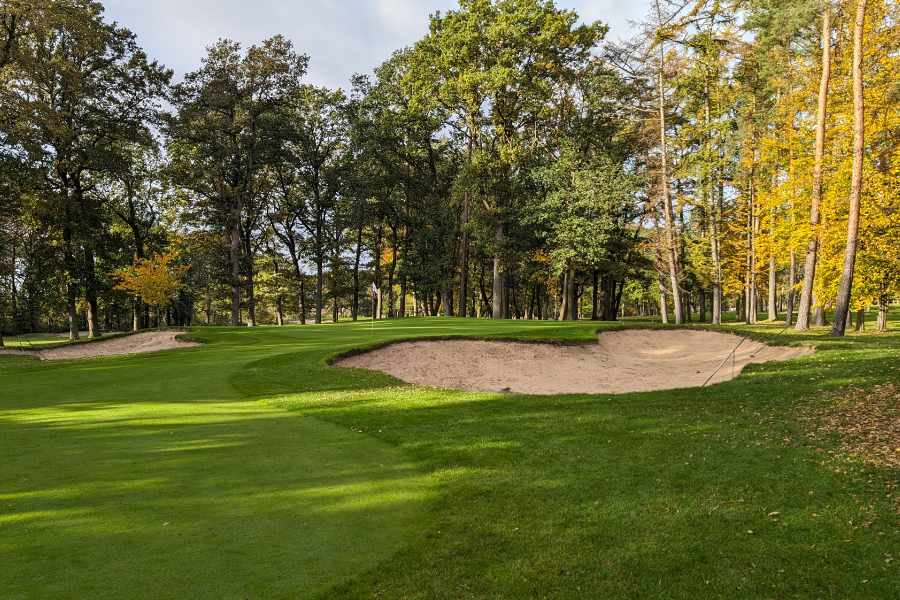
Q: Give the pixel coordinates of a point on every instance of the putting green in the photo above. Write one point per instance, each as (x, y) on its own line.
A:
(154, 458)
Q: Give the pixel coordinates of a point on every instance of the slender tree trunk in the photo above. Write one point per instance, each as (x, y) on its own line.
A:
(320, 283)
(595, 295)
(403, 284)
(812, 247)
(671, 251)
(717, 262)
(251, 294)
(354, 308)
(392, 270)
(445, 300)
(301, 300)
(842, 304)
(791, 294)
(701, 306)
(90, 293)
(464, 259)
(235, 258)
(663, 309)
(881, 326)
(773, 285)
(377, 270)
(572, 293)
(497, 309)
(752, 219)
(70, 268)
(564, 296)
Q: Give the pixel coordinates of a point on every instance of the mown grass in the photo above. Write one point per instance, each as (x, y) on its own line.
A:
(248, 468)
(44, 341)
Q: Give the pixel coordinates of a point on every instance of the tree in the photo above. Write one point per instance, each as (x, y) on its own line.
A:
(308, 177)
(154, 280)
(842, 305)
(79, 89)
(809, 267)
(492, 66)
(229, 131)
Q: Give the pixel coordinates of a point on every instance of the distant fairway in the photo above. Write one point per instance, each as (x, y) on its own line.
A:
(248, 468)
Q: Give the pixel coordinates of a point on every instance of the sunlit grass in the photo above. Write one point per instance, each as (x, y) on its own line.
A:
(250, 468)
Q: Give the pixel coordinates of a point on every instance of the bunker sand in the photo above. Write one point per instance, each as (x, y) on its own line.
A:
(621, 361)
(139, 343)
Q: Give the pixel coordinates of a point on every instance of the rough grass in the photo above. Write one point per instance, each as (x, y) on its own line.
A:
(249, 468)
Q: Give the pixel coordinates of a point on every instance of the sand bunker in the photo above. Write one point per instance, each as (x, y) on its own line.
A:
(139, 343)
(621, 361)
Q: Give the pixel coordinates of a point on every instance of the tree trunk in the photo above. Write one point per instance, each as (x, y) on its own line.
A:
(354, 308)
(750, 278)
(251, 295)
(595, 296)
(302, 300)
(445, 300)
(812, 247)
(464, 259)
(497, 309)
(392, 270)
(235, 258)
(377, 269)
(320, 286)
(564, 296)
(773, 285)
(90, 293)
(403, 284)
(818, 314)
(701, 306)
(791, 294)
(672, 255)
(279, 311)
(135, 315)
(93, 329)
(842, 304)
(882, 315)
(573, 296)
(663, 308)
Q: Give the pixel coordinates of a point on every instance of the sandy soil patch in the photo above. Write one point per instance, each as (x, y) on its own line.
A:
(139, 343)
(621, 361)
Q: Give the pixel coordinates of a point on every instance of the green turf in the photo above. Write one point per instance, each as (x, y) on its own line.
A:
(248, 468)
(41, 341)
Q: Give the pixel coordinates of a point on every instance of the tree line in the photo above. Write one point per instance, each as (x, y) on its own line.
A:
(732, 158)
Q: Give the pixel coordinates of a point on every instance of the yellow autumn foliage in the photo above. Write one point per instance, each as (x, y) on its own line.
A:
(154, 280)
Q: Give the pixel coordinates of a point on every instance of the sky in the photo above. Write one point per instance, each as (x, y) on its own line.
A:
(341, 37)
